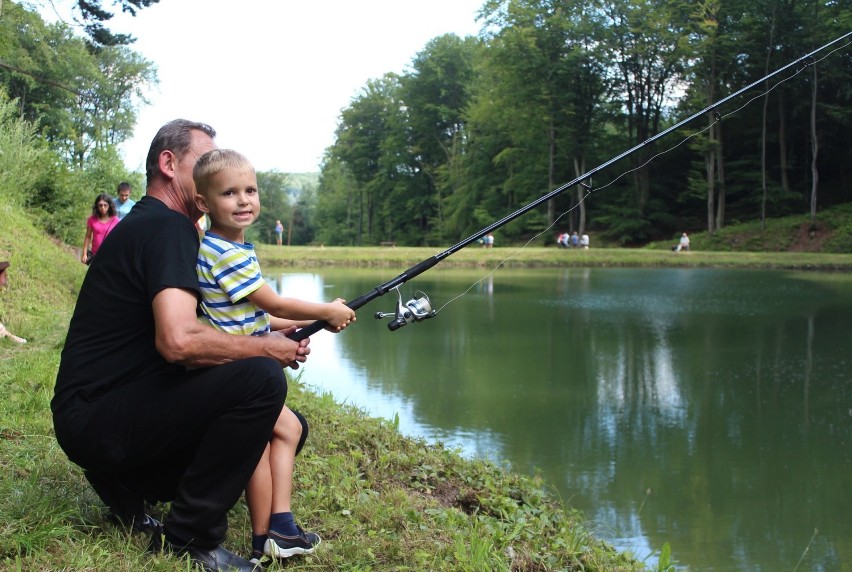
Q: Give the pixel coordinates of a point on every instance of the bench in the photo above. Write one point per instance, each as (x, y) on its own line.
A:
(388, 244)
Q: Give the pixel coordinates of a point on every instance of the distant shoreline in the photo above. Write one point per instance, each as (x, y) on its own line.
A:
(474, 256)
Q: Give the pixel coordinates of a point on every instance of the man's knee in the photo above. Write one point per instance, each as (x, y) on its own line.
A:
(265, 376)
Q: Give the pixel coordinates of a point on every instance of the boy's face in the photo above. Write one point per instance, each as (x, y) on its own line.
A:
(123, 195)
(232, 201)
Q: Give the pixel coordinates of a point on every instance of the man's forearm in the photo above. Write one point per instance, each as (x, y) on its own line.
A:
(204, 346)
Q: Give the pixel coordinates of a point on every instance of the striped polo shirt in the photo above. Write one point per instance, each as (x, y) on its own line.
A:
(227, 273)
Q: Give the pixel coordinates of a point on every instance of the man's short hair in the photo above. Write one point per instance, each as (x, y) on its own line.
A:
(216, 161)
(175, 136)
(123, 186)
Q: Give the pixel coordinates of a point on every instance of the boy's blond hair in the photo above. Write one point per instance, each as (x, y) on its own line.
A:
(216, 161)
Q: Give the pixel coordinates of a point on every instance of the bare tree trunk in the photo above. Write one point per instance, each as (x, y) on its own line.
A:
(720, 171)
(360, 217)
(763, 132)
(782, 142)
(814, 147)
(551, 160)
(579, 169)
(710, 169)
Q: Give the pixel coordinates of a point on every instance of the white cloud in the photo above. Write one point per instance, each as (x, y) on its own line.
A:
(272, 76)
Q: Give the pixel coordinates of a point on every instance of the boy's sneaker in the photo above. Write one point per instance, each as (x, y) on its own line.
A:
(281, 546)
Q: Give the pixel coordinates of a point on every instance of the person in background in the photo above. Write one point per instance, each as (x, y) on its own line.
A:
(575, 240)
(489, 240)
(236, 299)
(584, 242)
(123, 202)
(684, 243)
(98, 226)
(153, 404)
(4, 333)
(279, 232)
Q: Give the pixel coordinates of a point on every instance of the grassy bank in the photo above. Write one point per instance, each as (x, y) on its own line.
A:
(398, 259)
(380, 501)
(794, 243)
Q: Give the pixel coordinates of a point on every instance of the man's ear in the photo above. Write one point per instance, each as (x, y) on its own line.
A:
(201, 203)
(168, 163)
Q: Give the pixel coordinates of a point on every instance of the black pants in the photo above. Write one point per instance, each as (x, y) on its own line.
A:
(194, 440)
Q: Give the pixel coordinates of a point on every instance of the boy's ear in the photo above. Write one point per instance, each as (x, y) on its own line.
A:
(201, 203)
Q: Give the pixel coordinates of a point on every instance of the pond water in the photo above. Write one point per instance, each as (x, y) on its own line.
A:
(710, 409)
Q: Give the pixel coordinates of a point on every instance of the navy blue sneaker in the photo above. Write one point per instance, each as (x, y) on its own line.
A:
(281, 546)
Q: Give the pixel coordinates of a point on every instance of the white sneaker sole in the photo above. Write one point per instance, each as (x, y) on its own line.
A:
(272, 549)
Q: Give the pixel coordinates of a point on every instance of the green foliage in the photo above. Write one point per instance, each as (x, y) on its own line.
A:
(665, 563)
(477, 128)
(829, 232)
(81, 99)
(94, 14)
(21, 153)
(64, 109)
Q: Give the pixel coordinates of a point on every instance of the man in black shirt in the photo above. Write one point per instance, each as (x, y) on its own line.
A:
(151, 403)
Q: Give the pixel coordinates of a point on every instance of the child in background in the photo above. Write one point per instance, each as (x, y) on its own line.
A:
(98, 226)
(4, 333)
(236, 299)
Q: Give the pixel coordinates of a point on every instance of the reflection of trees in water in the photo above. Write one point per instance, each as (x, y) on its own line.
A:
(716, 442)
(714, 390)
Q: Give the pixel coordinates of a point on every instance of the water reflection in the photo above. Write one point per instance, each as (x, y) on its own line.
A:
(706, 408)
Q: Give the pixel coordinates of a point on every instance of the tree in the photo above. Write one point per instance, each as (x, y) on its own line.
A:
(275, 204)
(81, 98)
(436, 94)
(337, 202)
(646, 42)
(371, 145)
(93, 14)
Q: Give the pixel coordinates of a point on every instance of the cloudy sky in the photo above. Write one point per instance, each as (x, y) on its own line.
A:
(271, 76)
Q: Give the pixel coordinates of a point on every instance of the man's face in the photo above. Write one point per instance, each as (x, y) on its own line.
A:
(201, 143)
(123, 195)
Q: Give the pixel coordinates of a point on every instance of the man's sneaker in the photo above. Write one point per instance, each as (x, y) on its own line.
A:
(217, 559)
(281, 546)
(147, 524)
(256, 557)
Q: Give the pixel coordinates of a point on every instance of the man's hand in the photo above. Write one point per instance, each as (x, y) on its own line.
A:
(301, 352)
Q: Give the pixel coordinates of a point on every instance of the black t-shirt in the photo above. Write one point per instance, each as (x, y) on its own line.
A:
(110, 340)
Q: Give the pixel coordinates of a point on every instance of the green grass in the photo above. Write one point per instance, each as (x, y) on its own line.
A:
(399, 259)
(793, 243)
(380, 501)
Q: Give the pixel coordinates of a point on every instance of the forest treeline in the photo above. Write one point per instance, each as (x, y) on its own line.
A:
(477, 127)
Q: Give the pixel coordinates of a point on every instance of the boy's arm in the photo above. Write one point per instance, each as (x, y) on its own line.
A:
(276, 324)
(336, 313)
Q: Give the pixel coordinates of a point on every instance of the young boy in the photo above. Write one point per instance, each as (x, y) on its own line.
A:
(236, 299)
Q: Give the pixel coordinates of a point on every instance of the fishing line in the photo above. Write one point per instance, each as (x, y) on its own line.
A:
(420, 308)
(588, 187)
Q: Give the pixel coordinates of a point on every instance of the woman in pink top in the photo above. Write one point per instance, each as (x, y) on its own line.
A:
(102, 221)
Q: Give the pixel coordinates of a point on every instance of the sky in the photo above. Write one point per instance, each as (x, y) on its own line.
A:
(271, 76)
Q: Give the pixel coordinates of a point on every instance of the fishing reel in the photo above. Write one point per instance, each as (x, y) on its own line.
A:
(415, 310)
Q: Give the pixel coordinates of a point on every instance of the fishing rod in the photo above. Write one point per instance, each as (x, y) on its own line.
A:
(419, 308)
